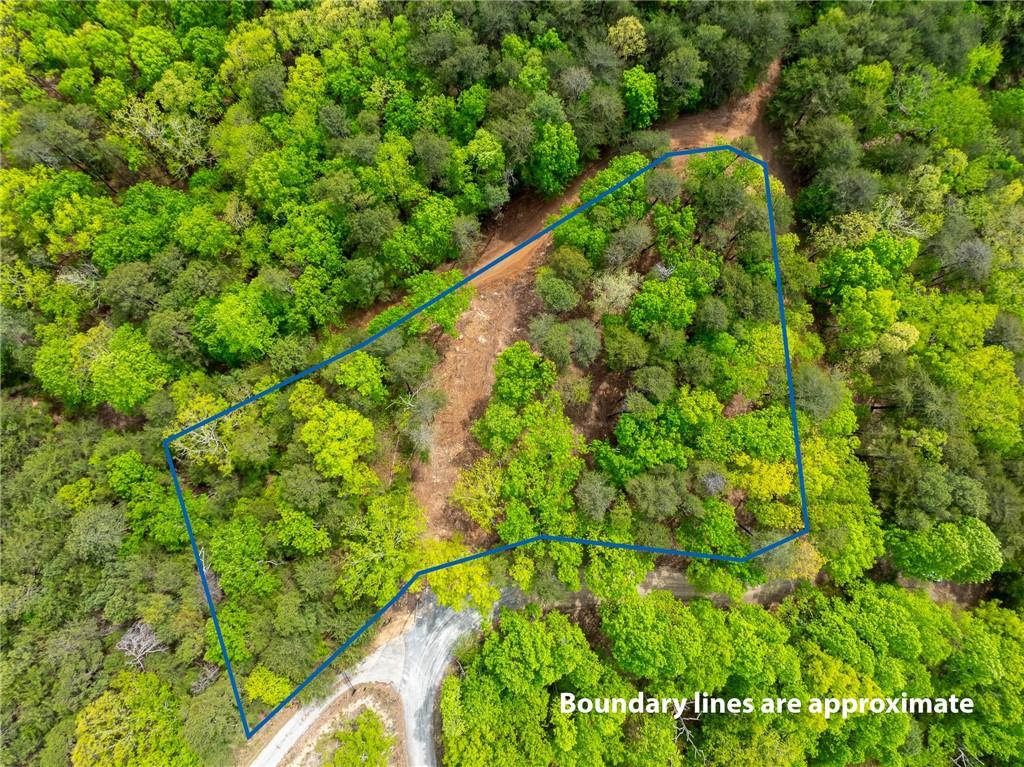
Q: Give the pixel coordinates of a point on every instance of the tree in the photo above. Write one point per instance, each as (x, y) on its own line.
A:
(623, 349)
(130, 290)
(982, 63)
(661, 302)
(276, 179)
(864, 316)
(211, 723)
(658, 494)
(838, 191)
(572, 266)
(681, 77)
(613, 290)
(639, 92)
(339, 439)
(818, 392)
(422, 288)
(235, 328)
(152, 50)
(641, 629)
(966, 552)
(199, 231)
(828, 141)
(264, 686)
(991, 396)
(528, 661)
(727, 58)
(520, 375)
(143, 225)
(878, 262)
(557, 294)
(238, 554)
(575, 81)
(102, 365)
(128, 372)
(554, 159)
(627, 37)
(380, 553)
(542, 469)
(96, 533)
(565, 342)
(477, 492)
(300, 532)
(138, 642)
(796, 561)
(426, 241)
(135, 723)
(364, 742)
(984, 555)
(178, 140)
(59, 137)
(594, 495)
(656, 383)
(363, 374)
(465, 585)
(60, 366)
(626, 244)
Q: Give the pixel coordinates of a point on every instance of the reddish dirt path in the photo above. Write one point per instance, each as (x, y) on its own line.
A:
(504, 303)
(742, 116)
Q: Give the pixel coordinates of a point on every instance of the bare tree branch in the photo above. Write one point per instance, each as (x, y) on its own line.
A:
(207, 675)
(138, 642)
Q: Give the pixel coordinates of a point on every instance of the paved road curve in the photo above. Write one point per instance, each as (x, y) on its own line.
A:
(414, 663)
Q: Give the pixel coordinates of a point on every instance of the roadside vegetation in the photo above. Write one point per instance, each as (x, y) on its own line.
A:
(868, 640)
(200, 199)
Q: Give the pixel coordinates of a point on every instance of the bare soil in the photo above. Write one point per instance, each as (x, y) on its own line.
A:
(497, 318)
(963, 595)
(739, 117)
(738, 405)
(670, 577)
(504, 303)
(607, 398)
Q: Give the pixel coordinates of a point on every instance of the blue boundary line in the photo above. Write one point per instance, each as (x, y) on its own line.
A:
(250, 731)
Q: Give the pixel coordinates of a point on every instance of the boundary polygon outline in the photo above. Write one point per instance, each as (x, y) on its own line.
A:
(251, 731)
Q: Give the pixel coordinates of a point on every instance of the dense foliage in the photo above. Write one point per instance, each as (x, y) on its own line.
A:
(903, 279)
(364, 742)
(911, 151)
(200, 199)
(867, 641)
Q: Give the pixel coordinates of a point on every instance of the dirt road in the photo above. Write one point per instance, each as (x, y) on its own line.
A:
(503, 304)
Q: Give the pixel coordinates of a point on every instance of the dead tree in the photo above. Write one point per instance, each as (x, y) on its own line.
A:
(212, 581)
(685, 731)
(138, 642)
(207, 674)
(663, 272)
(964, 758)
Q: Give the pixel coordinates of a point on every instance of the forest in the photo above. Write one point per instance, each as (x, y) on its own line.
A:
(198, 200)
